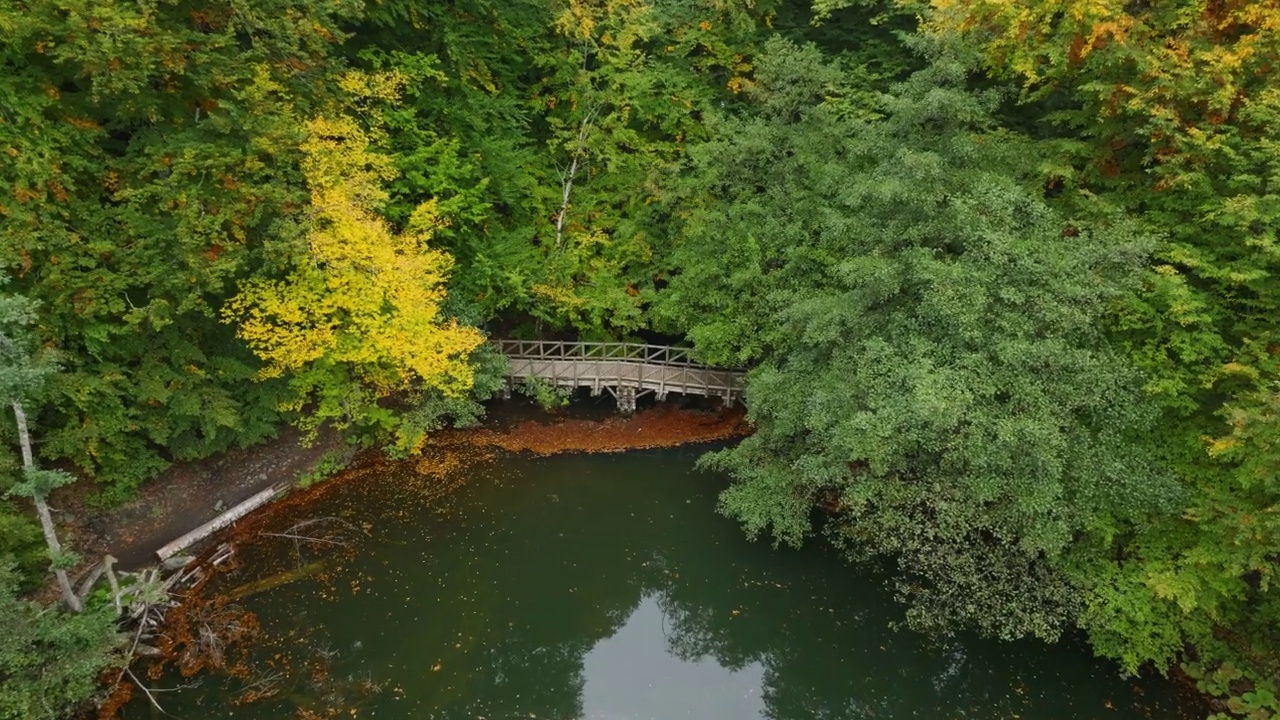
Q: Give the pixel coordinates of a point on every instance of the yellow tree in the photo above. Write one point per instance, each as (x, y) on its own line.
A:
(359, 318)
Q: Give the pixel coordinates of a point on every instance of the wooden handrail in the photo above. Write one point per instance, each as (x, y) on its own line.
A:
(579, 350)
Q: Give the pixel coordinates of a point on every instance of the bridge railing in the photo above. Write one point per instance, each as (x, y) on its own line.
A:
(572, 350)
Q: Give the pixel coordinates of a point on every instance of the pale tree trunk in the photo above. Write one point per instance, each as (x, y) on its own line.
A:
(567, 177)
(42, 509)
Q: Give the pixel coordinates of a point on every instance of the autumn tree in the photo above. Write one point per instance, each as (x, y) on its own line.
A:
(360, 315)
(1169, 108)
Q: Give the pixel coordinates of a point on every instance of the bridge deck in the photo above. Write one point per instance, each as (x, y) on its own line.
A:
(625, 370)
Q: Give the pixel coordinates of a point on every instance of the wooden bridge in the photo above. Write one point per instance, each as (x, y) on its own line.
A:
(625, 370)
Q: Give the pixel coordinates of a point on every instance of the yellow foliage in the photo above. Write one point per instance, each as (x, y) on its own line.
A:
(1183, 55)
(563, 296)
(1220, 446)
(589, 20)
(1240, 369)
(385, 86)
(364, 295)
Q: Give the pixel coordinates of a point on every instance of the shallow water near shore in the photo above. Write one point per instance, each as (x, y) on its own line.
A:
(602, 587)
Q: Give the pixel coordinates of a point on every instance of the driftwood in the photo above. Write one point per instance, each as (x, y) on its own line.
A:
(275, 581)
(219, 522)
(176, 563)
(90, 577)
(222, 554)
(144, 689)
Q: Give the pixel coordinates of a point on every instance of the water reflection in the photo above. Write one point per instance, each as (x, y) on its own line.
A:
(636, 675)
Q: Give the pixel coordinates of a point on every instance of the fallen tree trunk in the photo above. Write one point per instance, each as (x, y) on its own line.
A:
(219, 522)
(275, 581)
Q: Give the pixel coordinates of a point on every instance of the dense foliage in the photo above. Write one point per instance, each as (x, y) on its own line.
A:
(965, 415)
(1005, 281)
(49, 659)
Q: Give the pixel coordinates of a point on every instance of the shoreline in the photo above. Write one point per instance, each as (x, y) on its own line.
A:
(446, 452)
(189, 494)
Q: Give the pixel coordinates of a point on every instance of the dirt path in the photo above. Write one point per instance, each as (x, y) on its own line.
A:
(188, 495)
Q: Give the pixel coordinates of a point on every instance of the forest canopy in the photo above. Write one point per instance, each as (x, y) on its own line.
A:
(1020, 256)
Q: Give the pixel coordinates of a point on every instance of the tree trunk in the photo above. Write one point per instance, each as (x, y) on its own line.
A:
(235, 513)
(567, 177)
(42, 509)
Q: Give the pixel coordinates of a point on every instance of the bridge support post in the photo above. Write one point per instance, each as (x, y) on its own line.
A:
(626, 400)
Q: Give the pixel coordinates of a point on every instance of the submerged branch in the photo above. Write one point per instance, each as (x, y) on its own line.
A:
(275, 581)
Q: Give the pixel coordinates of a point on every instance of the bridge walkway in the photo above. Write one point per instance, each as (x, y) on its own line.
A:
(626, 371)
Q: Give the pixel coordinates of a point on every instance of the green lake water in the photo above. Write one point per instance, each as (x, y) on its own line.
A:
(605, 587)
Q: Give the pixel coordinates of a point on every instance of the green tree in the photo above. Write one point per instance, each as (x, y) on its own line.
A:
(50, 660)
(21, 538)
(1169, 111)
(962, 414)
(540, 128)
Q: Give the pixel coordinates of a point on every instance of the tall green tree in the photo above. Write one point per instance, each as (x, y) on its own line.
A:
(541, 128)
(962, 413)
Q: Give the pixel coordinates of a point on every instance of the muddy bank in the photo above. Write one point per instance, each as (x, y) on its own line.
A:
(660, 426)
